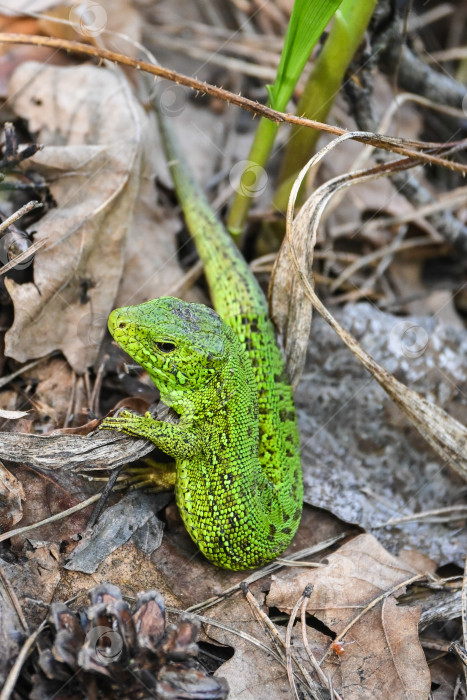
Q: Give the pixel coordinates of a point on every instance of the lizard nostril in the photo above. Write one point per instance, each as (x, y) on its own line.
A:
(122, 325)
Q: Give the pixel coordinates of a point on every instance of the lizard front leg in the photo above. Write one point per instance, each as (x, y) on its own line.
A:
(176, 441)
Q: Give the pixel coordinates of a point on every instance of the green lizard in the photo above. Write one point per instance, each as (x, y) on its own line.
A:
(238, 480)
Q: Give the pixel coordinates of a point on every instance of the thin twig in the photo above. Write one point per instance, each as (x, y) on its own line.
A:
(74, 509)
(304, 564)
(461, 652)
(9, 377)
(324, 679)
(15, 670)
(221, 625)
(371, 605)
(445, 434)
(33, 204)
(96, 390)
(71, 400)
(14, 599)
(288, 654)
(393, 247)
(266, 570)
(425, 514)
(53, 518)
(262, 617)
(444, 201)
(397, 145)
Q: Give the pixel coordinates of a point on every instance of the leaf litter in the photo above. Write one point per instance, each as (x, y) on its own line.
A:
(361, 565)
(385, 658)
(94, 172)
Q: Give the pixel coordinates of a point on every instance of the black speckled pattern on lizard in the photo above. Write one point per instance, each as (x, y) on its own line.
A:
(238, 472)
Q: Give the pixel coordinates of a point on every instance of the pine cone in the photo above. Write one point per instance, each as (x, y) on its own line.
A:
(108, 651)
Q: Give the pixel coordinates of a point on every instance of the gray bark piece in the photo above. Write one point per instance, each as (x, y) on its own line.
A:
(362, 460)
(115, 527)
(148, 538)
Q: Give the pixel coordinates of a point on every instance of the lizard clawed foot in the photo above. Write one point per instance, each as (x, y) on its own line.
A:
(129, 423)
(158, 476)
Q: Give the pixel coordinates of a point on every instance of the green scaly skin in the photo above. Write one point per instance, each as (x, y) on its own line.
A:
(236, 448)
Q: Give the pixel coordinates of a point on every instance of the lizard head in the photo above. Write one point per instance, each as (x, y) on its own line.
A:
(181, 346)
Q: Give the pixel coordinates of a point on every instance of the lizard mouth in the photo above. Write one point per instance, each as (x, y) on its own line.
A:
(116, 323)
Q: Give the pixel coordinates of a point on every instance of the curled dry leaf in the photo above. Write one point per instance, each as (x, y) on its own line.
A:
(291, 305)
(385, 659)
(445, 434)
(93, 129)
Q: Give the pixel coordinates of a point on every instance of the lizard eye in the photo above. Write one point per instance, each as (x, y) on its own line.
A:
(165, 347)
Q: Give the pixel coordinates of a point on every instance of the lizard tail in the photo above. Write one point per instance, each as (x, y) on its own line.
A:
(234, 289)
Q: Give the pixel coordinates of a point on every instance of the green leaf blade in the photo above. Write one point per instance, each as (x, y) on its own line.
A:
(307, 22)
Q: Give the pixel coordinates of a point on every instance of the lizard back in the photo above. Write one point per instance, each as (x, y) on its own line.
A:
(240, 302)
(236, 447)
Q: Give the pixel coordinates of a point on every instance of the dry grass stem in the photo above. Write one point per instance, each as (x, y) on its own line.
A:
(445, 434)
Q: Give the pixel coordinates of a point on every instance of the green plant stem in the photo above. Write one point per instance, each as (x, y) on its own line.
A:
(349, 26)
(307, 22)
(259, 153)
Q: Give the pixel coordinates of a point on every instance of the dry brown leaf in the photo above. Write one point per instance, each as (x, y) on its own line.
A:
(45, 495)
(96, 22)
(385, 659)
(127, 567)
(290, 301)
(252, 673)
(35, 581)
(17, 7)
(154, 226)
(444, 677)
(93, 129)
(11, 495)
(54, 389)
(290, 308)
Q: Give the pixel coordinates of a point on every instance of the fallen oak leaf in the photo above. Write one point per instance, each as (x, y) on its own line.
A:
(93, 129)
(352, 598)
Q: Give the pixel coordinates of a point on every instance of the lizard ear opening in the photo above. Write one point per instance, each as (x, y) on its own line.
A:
(165, 347)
